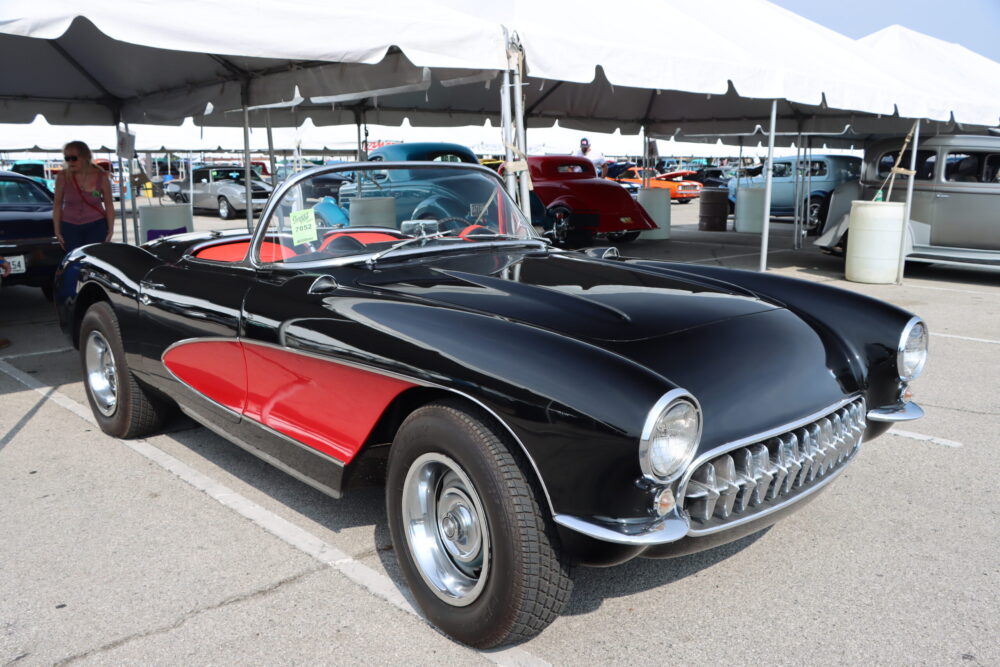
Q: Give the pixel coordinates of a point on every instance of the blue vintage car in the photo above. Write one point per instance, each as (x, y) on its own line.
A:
(828, 171)
(415, 203)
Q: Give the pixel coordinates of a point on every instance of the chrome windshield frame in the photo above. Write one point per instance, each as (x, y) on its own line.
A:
(277, 194)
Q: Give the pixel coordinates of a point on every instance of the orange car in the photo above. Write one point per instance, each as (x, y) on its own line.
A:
(680, 190)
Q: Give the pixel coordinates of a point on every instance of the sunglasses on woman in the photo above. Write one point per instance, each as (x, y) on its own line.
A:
(71, 158)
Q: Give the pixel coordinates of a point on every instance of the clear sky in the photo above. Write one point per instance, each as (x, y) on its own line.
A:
(975, 24)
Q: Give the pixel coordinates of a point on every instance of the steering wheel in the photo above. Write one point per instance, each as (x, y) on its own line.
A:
(452, 223)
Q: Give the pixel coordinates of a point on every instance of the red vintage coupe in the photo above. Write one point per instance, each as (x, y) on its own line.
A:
(580, 205)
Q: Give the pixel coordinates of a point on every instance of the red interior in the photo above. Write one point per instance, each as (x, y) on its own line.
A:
(237, 252)
(363, 237)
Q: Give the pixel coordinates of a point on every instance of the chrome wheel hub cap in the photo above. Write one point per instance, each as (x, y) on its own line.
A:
(446, 531)
(102, 374)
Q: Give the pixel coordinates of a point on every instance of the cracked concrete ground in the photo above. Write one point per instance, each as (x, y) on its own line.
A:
(108, 558)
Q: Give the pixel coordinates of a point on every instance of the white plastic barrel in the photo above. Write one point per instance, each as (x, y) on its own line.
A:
(656, 201)
(873, 241)
(749, 210)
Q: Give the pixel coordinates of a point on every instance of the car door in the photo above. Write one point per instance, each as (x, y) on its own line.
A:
(783, 188)
(191, 312)
(200, 188)
(966, 212)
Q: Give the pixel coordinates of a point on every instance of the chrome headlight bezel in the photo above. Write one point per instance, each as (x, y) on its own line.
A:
(660, 409)
(904, 338)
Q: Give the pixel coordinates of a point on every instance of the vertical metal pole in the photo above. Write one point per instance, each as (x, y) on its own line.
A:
(122, 183)
(190, 175)
(247, 172)
(506, 132)
(357, 122)
(809, 185)
(767, 188)
(797, 193)
(270, 150)
(135, 195)
(522, 141)
(909, 202)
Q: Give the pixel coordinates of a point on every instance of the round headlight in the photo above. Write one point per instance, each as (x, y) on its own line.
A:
(670, 439)
(912, 351)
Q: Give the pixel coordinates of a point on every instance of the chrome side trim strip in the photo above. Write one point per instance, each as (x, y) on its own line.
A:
(221, 432)
(901, 412)
(671, 529)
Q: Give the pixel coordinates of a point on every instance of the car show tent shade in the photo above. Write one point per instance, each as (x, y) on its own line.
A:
(86, 64)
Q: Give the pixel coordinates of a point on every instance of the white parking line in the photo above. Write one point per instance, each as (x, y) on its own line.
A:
(975, 340)
(926, 438)
(374, 582)
(746, 254)
(953, 289)
(22, 355)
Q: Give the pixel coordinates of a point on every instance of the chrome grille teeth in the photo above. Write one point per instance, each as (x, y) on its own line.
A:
(779, 466)
(760, 462)
(742, 480)
(701, 493)
(725, 475)
(790, 449)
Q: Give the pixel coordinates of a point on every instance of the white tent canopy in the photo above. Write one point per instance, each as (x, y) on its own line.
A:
(148, 61)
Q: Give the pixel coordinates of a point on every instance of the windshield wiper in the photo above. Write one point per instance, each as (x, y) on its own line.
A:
(405, 242)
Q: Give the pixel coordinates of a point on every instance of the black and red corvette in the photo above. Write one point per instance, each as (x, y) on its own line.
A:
(531, 409)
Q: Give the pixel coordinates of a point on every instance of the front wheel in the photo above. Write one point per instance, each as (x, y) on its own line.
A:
(480, 557)
(121, 406)
(226, 211)
(623, 237)
(816, 209)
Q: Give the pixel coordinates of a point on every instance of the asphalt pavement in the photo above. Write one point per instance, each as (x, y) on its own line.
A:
(183, 549)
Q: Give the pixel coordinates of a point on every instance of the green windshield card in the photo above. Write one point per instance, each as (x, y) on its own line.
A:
(303, 226)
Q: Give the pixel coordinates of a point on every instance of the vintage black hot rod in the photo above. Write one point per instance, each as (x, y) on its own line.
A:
(531, 409)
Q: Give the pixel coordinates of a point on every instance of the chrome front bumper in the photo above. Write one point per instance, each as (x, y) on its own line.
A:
(901, 412)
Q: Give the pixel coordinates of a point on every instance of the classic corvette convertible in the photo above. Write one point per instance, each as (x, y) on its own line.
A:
(528, 409)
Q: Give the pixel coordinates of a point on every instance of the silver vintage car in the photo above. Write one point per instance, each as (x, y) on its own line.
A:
(955, 216)
(222, 188)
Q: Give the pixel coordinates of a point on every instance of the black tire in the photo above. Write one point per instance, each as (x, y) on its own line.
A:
(815, 219)
(523, 582)
(623, 237)
(134, 412)
(226, 211)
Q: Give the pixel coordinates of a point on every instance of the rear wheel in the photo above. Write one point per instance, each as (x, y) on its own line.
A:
(480, 557)
(816, 209)
(121, 406)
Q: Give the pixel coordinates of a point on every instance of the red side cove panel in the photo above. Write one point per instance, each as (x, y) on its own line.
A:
(323, 404)
(213, 368)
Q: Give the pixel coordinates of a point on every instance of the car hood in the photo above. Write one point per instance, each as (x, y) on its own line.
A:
(592, 300)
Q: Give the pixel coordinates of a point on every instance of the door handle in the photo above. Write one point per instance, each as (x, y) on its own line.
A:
(145, 284)
(144, 287)
(941, 196)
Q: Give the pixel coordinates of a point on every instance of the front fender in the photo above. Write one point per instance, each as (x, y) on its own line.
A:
(864, 329)
(566, 401)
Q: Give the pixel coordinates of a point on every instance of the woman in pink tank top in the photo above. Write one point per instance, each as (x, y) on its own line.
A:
(83, 211)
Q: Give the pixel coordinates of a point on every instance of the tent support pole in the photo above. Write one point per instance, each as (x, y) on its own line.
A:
(122, 184)
(505, 132)
(767, 188)
(522, 141)
(270, 149)
(809, 185)
(135, 197)
(247, 172)
(909, 202)
(797, 190)
(357, 123)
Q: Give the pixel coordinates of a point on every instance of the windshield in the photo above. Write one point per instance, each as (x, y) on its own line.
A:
(18, 193)
(428, 207)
